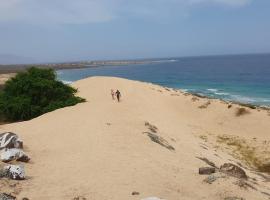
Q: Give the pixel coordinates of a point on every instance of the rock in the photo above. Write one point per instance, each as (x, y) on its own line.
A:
(152, 198)
(3, 173)
(79, 198)
(15, 172)
(233, 170)
(207, 170)
(10, 140)
(4, 196)
(135, 193)
(234, 198)
(213, 177)
(8, 155)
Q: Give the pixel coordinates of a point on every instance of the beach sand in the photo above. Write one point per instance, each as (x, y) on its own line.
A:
(102, 150)
(5, 77)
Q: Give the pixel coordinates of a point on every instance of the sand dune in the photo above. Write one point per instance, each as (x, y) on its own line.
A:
(102, 150)
(5, 77)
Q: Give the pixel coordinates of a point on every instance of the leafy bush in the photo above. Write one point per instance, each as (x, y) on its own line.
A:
(34, 92)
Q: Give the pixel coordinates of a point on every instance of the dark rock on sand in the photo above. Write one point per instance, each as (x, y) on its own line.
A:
(233, 170)
(79, 198)
(234, 198)
(135, 193)
(4, 196)
(207, 170)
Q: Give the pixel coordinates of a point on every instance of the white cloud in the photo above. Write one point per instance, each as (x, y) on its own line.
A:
(90, 11)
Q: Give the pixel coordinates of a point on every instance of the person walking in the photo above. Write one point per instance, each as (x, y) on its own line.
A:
(118, 95)
(112, 93)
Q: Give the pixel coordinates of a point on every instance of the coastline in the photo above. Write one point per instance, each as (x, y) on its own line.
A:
(5, 76)
(6, 69)
(152, 142)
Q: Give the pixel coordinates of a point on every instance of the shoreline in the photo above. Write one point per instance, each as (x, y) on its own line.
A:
(5, 76)
(153, 142)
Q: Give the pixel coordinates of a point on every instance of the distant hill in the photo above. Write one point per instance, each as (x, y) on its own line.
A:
(8, 59)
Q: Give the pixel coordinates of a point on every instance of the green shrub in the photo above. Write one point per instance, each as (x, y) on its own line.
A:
(34, 92)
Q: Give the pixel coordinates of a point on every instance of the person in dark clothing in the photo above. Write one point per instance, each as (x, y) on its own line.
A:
(118, 95)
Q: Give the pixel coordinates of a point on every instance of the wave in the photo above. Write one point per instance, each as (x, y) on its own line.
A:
(165, 61)
(222, 93)
(67, 82)
(212, 90)
(216, 93)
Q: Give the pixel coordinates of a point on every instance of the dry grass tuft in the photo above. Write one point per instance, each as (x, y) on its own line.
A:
(246, 152)
(205, 105)
(241, 111)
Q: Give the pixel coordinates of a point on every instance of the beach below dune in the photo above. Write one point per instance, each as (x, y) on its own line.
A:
(102, 149)
(5, 77)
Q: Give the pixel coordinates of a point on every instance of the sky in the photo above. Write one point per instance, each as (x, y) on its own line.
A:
(74, 30)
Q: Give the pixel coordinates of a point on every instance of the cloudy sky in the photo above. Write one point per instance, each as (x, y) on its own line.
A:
(67, 30)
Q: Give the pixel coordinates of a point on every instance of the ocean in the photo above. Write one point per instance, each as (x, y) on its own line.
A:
(241, 78)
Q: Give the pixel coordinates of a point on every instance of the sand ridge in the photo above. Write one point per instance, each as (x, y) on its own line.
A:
(101, 149)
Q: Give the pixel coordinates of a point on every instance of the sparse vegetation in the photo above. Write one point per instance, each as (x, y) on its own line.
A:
(205, 105)
(241, 111)
(35, 92)
(159, 140)
(151, 127)
(247, 152)
(204, 137)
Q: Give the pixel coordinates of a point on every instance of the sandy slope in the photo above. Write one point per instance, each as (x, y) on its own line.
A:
(5, 77)
(99, 150)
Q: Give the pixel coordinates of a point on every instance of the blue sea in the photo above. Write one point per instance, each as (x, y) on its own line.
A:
(241, 78)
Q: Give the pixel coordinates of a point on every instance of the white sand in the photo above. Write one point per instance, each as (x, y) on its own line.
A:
(5, 77)
(98, 149)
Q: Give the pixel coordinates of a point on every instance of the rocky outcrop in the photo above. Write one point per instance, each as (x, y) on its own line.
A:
(15, 172)
(8, 155)
(10, 140)
(233, 170)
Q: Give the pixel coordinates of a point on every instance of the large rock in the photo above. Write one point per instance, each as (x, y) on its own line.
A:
(15, 172)
(10, 140)
(8, 155)
(233, 170)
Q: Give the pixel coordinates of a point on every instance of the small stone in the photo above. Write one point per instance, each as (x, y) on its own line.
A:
(135, 193)
(25, 198)
(15, 172)
(4, 196)
(233, 170)
(210, 179)
(213, 177)
(207, 170)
